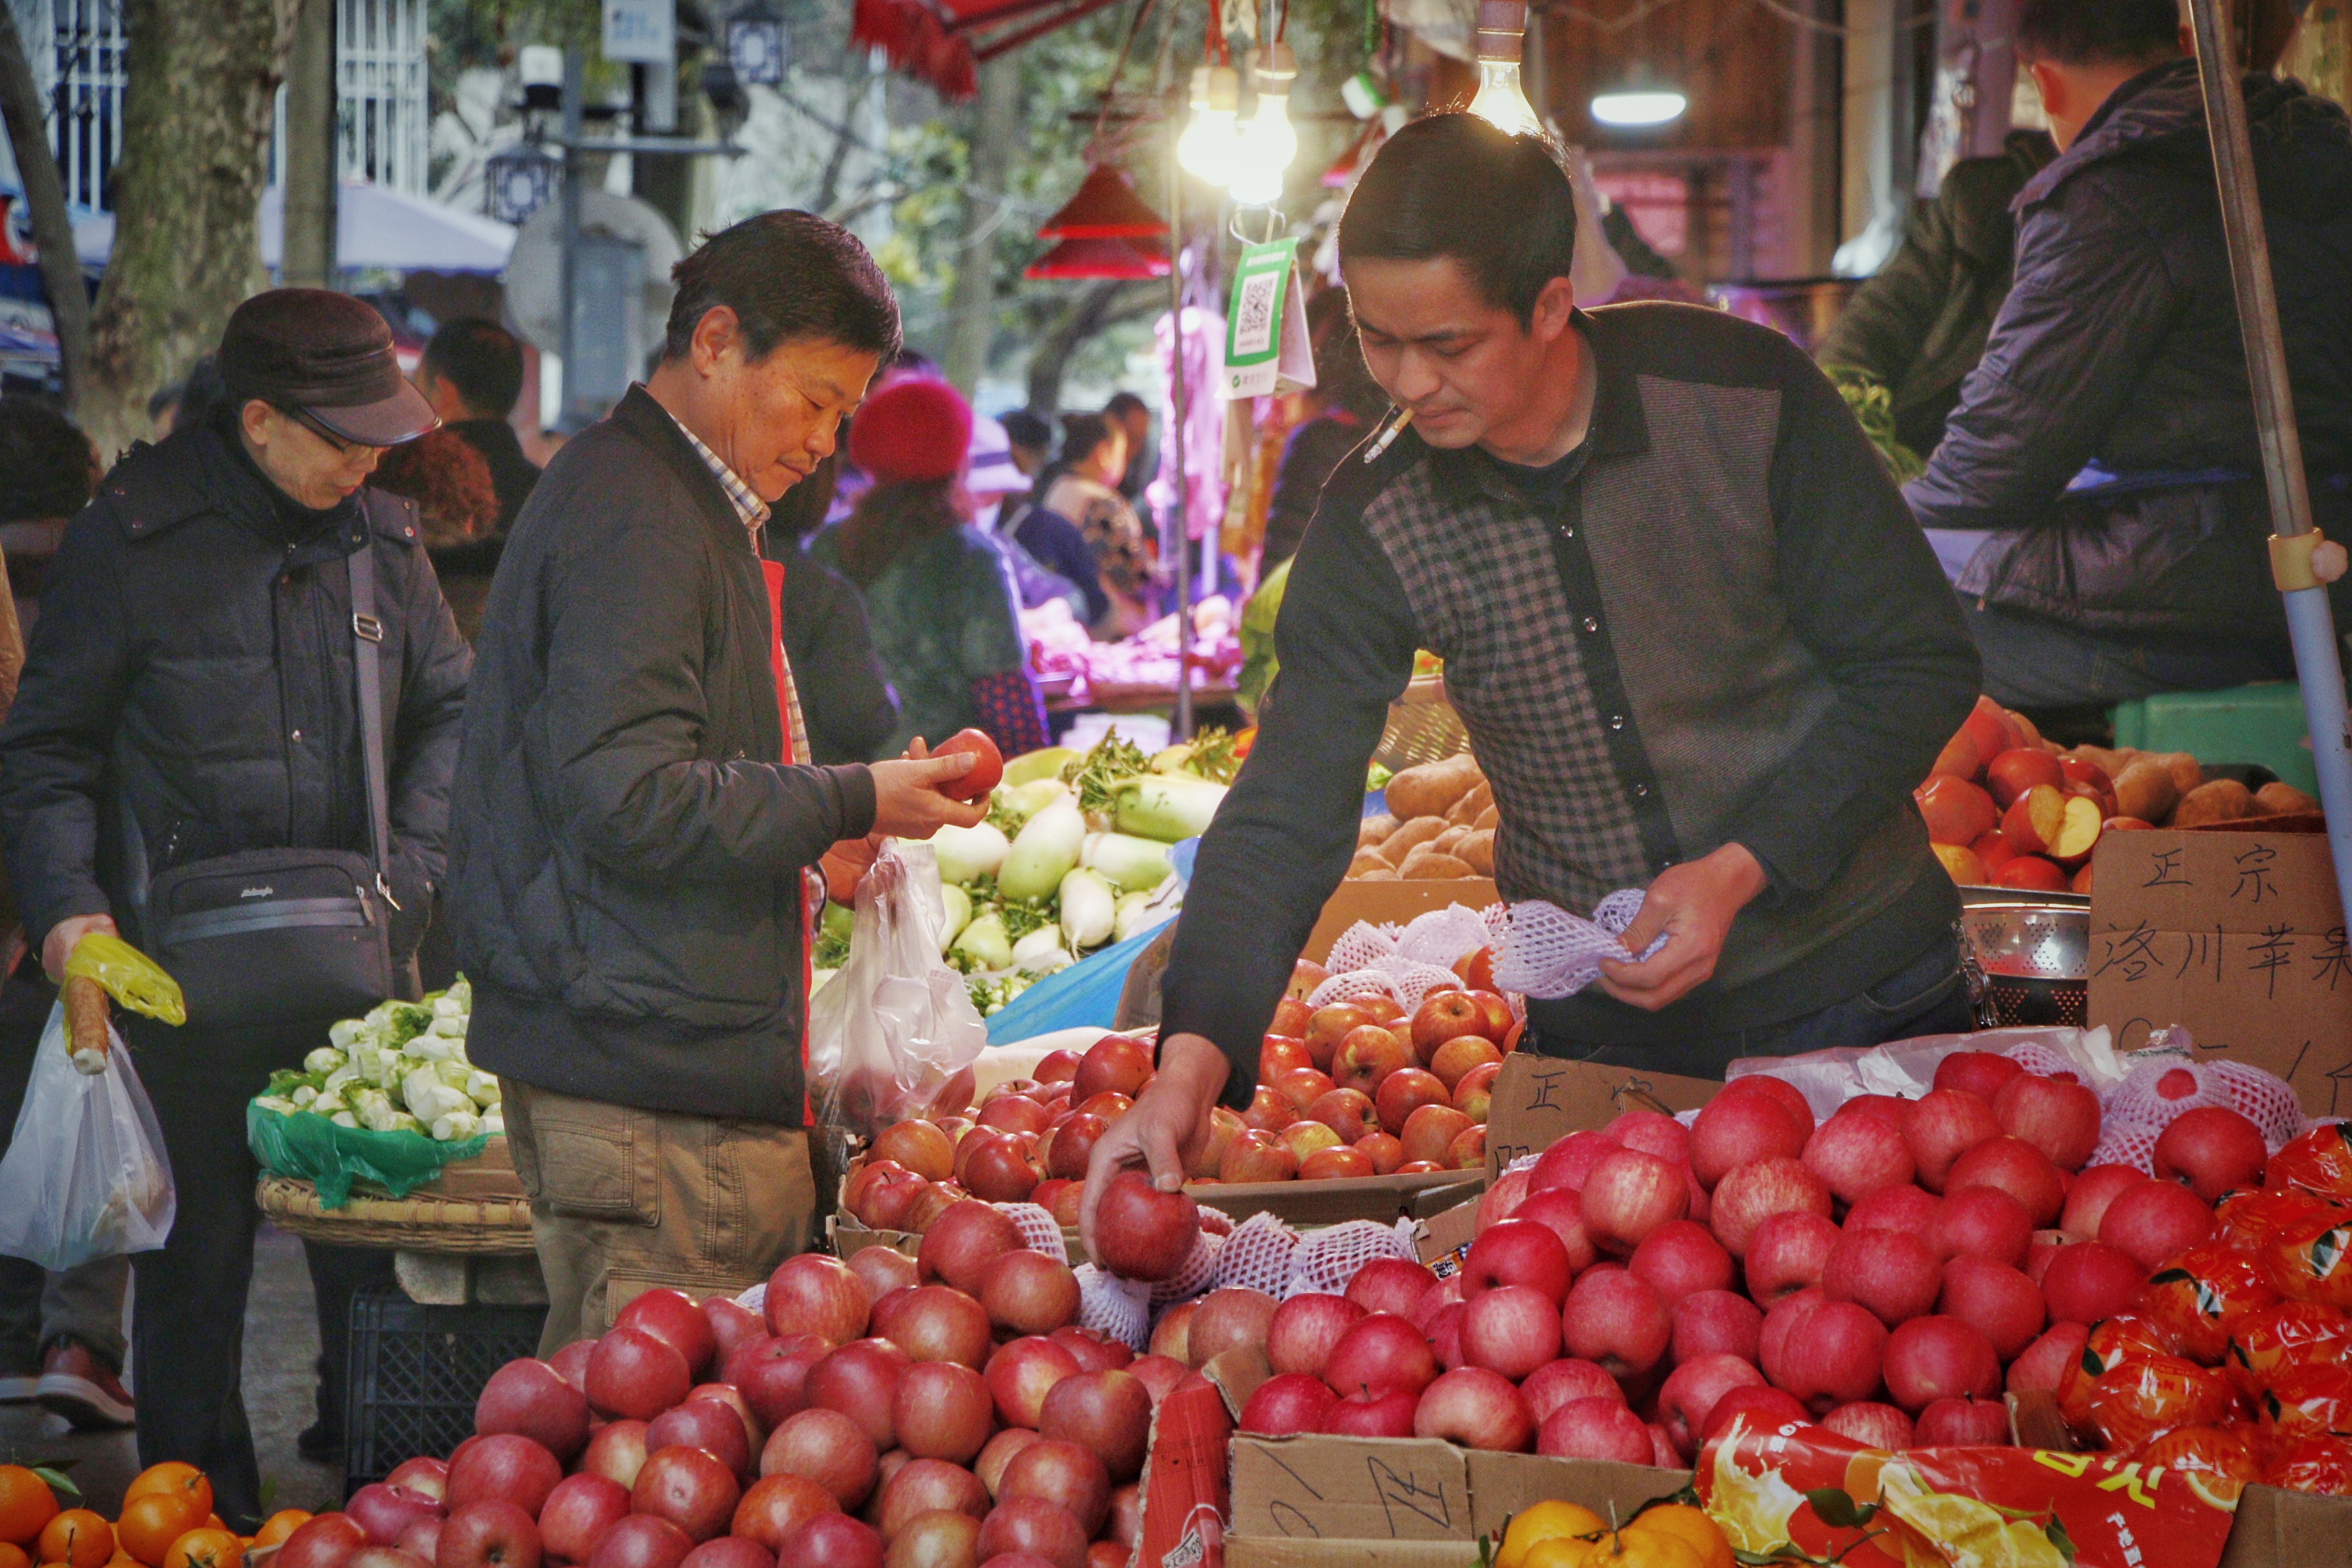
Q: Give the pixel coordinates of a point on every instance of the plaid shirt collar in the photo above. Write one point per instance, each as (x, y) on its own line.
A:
(748, 507)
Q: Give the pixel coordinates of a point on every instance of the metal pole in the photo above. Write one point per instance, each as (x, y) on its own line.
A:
(574, 86)
(2311, 626)
(1181, 727)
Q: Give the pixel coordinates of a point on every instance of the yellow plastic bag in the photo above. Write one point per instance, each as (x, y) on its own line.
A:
(128, 976)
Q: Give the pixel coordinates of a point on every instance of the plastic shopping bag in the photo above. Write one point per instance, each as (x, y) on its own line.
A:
(85, 1175)
(893, 1034)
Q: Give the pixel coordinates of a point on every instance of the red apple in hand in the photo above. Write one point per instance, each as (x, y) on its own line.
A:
(1140, 1232)
(987, 764)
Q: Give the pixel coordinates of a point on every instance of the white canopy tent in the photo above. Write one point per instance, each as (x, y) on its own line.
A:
(376, 227)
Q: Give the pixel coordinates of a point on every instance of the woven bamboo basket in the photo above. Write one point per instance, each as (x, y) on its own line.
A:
(421, 1222)
(1422, 727)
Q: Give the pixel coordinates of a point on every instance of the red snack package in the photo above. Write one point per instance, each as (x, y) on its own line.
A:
(2310, 1259)
(2322, 1465)
(1969, 1507)
(2265, 1343)
(2140, 1401)
(2201, 1294)
(2314, 1401)
(2319, 1161)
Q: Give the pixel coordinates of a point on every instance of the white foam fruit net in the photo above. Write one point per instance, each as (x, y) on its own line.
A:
(1548, 952)
(1406, 963)
(1325, 1261)
(2137, 1111)
(1114, 1308)
(1258, 1255)
(1038, 1229)
(1199, 1271)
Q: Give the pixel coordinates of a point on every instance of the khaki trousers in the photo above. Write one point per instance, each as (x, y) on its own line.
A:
(625, 1200)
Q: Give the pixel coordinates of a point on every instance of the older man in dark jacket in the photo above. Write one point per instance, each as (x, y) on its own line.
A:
(636, 816)
(2102, 467)
(191, 687)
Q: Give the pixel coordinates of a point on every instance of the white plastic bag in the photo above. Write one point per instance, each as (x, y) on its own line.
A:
(85, 1175)
(893, 1034)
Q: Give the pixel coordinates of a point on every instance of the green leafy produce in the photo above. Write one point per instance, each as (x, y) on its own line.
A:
(1873, 410)
(1166, 806)
(991, 995)
(1097, 773)
(401, 1067)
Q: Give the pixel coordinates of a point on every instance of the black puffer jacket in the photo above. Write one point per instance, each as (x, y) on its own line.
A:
(194, 660)
(2119, 344)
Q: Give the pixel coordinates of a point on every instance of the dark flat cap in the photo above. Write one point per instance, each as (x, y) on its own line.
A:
(329, 355)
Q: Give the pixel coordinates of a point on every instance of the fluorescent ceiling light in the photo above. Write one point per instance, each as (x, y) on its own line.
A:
(1647, 108)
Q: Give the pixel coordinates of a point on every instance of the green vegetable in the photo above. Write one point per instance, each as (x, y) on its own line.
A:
(1133, 863)
(838, 920)
(1041, 951)
(1100, 772)
(967, 854)
(1166, 806)
(1874, 409)
(957, 908)
(1087, 909)
(324, 1060)
(983, 943)
(1022, 916)
(1046, 763)
(1049, 846)
(1209, 755)
(1255, 634)
(1020, 804)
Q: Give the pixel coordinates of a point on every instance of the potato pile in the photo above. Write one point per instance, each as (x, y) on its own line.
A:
(2167, 789)
(1440, 827)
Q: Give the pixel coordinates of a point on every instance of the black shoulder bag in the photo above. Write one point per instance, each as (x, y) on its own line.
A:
(280, 936)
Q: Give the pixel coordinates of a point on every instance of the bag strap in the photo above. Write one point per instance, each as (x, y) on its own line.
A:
(367, 634)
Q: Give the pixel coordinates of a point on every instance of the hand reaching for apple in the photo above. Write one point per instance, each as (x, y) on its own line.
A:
(1693, 906)
(1168, 1123)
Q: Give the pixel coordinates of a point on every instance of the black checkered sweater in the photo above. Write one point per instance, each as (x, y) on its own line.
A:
(1717, 623)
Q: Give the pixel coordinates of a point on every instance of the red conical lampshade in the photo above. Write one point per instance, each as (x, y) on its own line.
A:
(1074, 258)
(1104, 207)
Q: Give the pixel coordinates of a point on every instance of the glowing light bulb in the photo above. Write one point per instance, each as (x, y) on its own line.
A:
(1639, 107)
(1268, 144)
(1502, 102)
(1212, 139)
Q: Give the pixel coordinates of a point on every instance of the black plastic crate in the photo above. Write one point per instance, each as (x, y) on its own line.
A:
(416, 1372)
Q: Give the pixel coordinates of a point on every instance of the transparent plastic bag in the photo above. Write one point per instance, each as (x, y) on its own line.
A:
(893, 1034)
(85, 1175)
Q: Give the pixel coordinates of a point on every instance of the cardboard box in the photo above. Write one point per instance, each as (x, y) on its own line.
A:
(1394, 903)
(1538, 1101)
(1442, 1238)
(1309, 1204)
(2240, 937)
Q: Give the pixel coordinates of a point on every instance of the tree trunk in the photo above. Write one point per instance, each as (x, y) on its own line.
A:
(311, 173)
(45, 196)
(971, 305)
(196, 114)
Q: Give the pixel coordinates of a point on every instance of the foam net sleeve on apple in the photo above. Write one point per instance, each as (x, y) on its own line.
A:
(1551, 953)
(1118, 1309)
(1327, 1260)
(1198, 1272)
(2137, 1111)
(1406, 963)
(1039, 1230)
(1258, 1255)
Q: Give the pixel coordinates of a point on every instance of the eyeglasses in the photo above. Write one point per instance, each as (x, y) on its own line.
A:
(310, 422)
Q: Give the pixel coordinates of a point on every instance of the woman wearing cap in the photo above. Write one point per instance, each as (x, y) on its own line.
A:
(938, 595)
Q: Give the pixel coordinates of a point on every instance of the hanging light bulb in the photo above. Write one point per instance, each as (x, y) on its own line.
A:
(1502, 101)
(1268, 145)
(1211, 139)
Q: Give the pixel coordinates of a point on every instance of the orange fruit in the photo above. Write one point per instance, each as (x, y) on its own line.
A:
(172, 1476)
(151, 1523)
(12, 1556)
(77, 1538)
(279, 1526)
(1692, 1527)
(204, 1547)
(25, 1505)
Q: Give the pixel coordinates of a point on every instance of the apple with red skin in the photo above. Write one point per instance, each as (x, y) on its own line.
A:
(1305, 1328)
(1628, 1195)
(1742, 1129)
(322, 1541)
(1444, 1332)
(1091, 1350)
(1691, 1391)
(617, 1452)
(1383, 1351)
(671, 1317)
(929, 1486)
(1934, 1358)
(942, 1410)
(1327, 1026)
(1594, 1428)
(1871, 1424)
(1476, 1409)
(1279, 1053)
(1511, 1329)
(987, 769)
(1891, 1273)
(773, 1374)
(2091, 1281)
(1112, 1064)
(1171, 1335)
(935, 1539)
(688, 1487)
(1570, 1161)
(1908, 1208)
(1982, 1222)
(827, 1448)
(1393, 1285)
(1288, 1403)
(1556, 1383)
(633, 1374)
(963, 1242)
(642, 1541)
(1561, 1210)
(1029, 1531)
(531, 1398)
(1140, 1232)
(1766, 1410)
(917, 1146)
(1458, 1058)
(1617, 1320)
(1856, 1156)
(1255, 1156)
(507, 1466)
(860, 1380)
(577, 1513)
(1749, 1194)
(1652, 1132)
(1027, 1292)
(1444, 1015)
(571, 1362)
(1517, 1252)
(1348, 1112)
(1830, 1355)
(1302, 1087)
(2058, 1118)
(1431, 1131)
(384, 1510)
(933, 1323)
(994, 1167)
(1406, 1090)
(2042, 1366)
(2209, 1150)
(1984, 1073)
(1371, 1412)
(492, 1533)
(832, 1541)
(424, 1475)
(704, 1424)
(1022, 1372)
(2156, 1219)
(2088, 1199)
(1159, 1374)
(1382, 1153)
(392, 1556)
(1999, 1302)
(1962, 1422)
(1108, 1413)
(1941, 1126)
(1009, 1110)
(1716, 1322)
(1063, 1474)
(1787, 1254)
(1682, 1260)
(771, 1509)
(2017, 1168)
(1367, 1056)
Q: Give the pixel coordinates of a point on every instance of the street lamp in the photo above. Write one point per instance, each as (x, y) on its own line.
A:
(517, 182)
(540, 67)
(755, 44)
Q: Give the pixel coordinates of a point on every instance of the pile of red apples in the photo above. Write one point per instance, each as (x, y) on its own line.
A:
(1887, 1273)
(2003, 810)
(889, 1412)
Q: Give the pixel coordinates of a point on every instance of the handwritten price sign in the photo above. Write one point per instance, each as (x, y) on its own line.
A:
(2238, 936)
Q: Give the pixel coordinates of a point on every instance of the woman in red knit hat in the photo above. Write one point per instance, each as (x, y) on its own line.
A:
(938, 597)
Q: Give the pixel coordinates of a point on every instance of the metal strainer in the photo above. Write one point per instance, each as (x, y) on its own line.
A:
(2026, 956)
